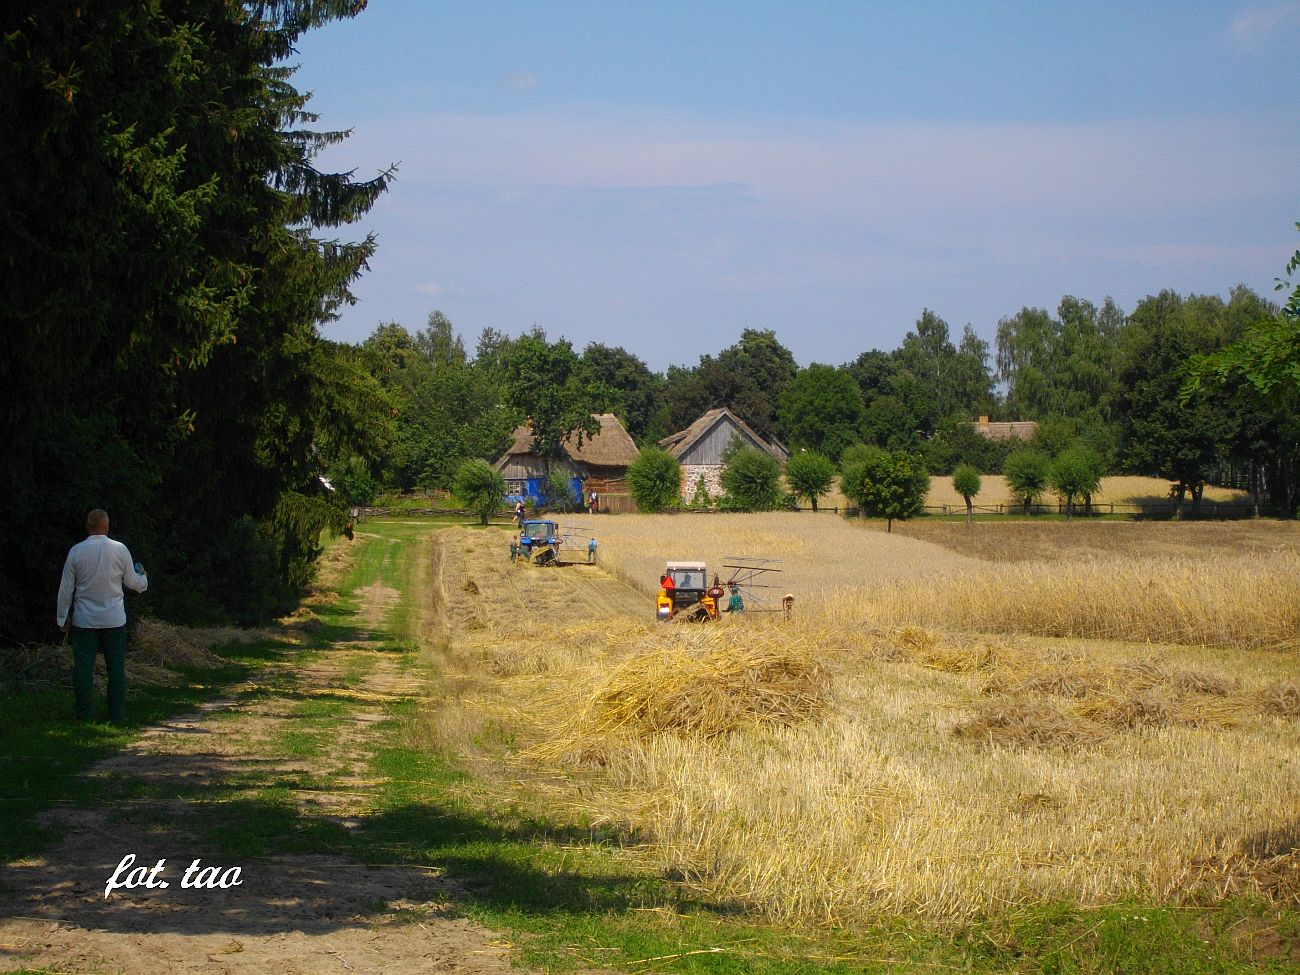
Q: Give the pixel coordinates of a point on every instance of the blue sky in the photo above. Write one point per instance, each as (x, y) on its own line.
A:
(662, 175)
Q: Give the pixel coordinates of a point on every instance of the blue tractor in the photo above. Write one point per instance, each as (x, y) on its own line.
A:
(539, 542)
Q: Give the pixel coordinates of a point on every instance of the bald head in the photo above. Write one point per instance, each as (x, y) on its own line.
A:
(97, 522)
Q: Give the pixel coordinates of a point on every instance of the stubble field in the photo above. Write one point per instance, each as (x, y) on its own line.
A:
(958, 720)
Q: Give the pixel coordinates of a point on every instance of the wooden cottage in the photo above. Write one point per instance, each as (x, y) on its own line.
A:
(599, 464)
(699, 449)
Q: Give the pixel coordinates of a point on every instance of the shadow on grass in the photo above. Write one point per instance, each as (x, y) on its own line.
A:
(316, 873)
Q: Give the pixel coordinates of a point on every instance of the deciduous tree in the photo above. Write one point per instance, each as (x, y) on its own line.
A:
(809, 475)
(887, 485)
(822, 410)
(1027, 473)
(966, 482)
(480, 487)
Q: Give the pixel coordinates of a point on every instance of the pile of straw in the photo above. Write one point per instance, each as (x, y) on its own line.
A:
(1026, 723)
(34, 667)
(1125, 696)
(158, 644)
(1075, 677)
(1281, 698)
(705, 694)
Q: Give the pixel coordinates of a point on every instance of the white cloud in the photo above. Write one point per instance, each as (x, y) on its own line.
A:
(1262, 22)
(997, 171)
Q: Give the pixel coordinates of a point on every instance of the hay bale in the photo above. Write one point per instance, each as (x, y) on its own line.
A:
(1029, 724)
(710, 693)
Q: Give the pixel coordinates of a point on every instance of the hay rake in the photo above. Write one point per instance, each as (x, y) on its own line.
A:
(759, 596)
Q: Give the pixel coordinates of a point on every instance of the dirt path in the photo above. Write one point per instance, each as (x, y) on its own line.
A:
(289, 913)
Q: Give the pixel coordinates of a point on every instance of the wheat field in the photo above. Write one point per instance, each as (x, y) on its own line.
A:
(994, 491)
(934, 734)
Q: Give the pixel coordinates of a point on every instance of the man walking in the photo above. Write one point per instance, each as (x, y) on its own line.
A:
(92, 607)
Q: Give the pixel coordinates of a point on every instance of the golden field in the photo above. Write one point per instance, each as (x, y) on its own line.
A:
(1116, 490)
(945, 729)
(994, 491)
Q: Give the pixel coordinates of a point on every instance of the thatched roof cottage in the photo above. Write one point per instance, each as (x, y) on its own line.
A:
(599, 464)
(1012, 429)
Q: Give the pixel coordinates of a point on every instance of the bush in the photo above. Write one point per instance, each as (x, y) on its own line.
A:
(701, 498)
(752, 480)
(480, 487)
(888, 485)
(1027, 473)
(809, 475)
(654, 480)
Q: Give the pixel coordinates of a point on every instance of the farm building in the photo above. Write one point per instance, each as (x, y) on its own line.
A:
(1018, 429)
(699, 448)
(599, 464)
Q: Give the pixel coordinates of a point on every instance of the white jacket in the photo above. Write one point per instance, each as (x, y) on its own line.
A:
(93, 577)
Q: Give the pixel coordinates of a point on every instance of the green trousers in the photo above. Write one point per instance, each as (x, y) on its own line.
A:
(111, 642)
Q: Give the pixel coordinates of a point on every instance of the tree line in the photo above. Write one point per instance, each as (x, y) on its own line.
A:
(1110, 391)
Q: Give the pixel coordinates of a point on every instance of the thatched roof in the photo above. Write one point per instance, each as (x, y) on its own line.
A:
(611, 447)
(1018, 429)
(681, 441)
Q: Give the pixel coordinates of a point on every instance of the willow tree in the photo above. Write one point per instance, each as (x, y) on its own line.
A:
(167, 259)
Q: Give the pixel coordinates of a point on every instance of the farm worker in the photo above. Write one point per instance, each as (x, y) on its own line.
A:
(591, 551)
(514, 550)
(91, 606)
(593, 503)
(519, 511)
(734, 603)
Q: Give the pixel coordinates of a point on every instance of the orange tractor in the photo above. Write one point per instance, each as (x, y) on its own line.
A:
(684, 593)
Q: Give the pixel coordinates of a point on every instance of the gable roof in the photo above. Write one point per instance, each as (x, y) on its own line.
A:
(682, 441)
(611, 447)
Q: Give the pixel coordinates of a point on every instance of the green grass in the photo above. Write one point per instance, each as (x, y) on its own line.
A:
(44, 753)
(570, 894)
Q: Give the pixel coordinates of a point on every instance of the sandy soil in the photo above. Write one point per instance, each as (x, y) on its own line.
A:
(290, 914)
